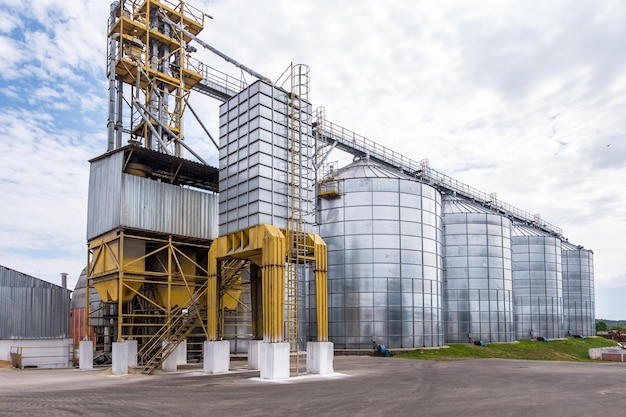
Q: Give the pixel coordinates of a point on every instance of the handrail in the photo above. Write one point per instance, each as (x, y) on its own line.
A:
(356, 144)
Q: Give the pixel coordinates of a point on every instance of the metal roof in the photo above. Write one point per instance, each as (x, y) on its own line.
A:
(170, 169)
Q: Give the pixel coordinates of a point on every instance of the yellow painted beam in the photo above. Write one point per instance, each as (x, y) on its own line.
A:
(321, 287)
(266, 246)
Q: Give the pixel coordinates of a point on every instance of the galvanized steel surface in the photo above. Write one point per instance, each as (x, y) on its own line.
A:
(578, 291)
(105, 193)
(537, 285)
(384, 242)
(478, 286)
(117, 200)
(31, 308)
(255, 161)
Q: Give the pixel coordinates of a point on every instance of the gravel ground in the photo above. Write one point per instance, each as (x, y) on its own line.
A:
(361, 385)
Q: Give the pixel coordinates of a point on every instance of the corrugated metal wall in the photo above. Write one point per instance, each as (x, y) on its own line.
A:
(123, 200)
(165, 208)
(105, 183)
(31, 308)
(578, 291)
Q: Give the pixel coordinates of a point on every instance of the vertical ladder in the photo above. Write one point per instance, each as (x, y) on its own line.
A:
(299, 164)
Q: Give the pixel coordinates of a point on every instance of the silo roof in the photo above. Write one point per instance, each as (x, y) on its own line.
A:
(526, 230)
(365, 168)
(454, 205)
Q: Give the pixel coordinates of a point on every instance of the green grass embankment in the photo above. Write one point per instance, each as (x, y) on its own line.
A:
(570, 349)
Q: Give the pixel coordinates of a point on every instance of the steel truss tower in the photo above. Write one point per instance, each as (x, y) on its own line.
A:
(151, 72)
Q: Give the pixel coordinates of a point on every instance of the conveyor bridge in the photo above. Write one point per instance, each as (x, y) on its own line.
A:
(222, 87)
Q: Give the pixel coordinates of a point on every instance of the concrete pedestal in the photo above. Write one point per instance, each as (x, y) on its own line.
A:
(132, 353)
(254, 354)
(85, 355)
(216, 356)
(170, 364)
(181, 353)
(120, 358)
(274, 361)
(319, 358)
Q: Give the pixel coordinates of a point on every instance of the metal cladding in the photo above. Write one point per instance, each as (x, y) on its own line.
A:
(255, 162)
(31, 308)
(384, 237)
(537, 284)
(120, 197)
(578, 291)
(478, 285)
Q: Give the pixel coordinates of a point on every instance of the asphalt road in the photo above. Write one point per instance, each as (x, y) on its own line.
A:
(361, 385)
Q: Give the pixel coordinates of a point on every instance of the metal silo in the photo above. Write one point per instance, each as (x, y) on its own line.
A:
(578, 290)
(478, 303)
(384, 237)
(537, 283)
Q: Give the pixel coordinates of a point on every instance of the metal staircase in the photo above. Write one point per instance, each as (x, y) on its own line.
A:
(180, 325)
(161, 345)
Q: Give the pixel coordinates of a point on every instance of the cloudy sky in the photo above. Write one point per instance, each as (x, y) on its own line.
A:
(526, 99)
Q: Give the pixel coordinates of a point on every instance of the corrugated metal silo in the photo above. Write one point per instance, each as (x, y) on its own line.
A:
(478, 282)
(578, 290)
(537, 283)
(384, 237)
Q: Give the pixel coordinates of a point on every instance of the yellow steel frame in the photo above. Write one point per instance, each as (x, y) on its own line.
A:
(139, 36)
(265, 246)
(117, 270)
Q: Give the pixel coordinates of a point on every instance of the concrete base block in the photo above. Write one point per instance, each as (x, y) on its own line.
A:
(132, 353)
(274, 363)
(216, 356)
(319, 358)
(120, 358)
(254, 354)
(171, 363)
(181, 353)
(85, 355)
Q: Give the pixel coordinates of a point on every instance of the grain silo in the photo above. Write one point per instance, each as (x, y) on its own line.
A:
(537, 283)
(384, 236)
(578, 290)
(477, 273)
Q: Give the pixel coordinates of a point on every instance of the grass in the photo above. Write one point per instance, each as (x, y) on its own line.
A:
(569, 349)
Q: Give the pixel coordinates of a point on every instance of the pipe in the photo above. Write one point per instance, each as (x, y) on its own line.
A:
(215, 51)
(202, 126)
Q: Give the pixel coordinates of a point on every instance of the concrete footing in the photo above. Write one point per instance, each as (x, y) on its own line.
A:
(254, 354)
(170, 364)
(319, 358)
(120, 358)
(274, 361)
(216, 356)
(85, 355)
(181, 353)
(132, 352)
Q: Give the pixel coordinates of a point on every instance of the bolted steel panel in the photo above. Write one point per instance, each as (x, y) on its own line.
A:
(537, 284)
(578, 291)
(374, 295)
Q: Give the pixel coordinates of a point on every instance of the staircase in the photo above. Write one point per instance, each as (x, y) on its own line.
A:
(182, 323)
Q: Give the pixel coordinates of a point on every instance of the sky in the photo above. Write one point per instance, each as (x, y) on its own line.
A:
(524, 99)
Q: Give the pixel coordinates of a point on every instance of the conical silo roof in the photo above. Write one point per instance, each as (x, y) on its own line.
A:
(365, 168)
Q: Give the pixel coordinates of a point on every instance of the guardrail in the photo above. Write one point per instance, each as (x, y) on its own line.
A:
(356, 144)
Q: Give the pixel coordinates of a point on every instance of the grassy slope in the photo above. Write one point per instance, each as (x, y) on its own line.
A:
(555, 350)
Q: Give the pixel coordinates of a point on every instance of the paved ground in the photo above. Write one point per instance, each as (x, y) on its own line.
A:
(362, 386)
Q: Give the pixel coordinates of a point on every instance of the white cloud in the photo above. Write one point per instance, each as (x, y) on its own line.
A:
(521, 98)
